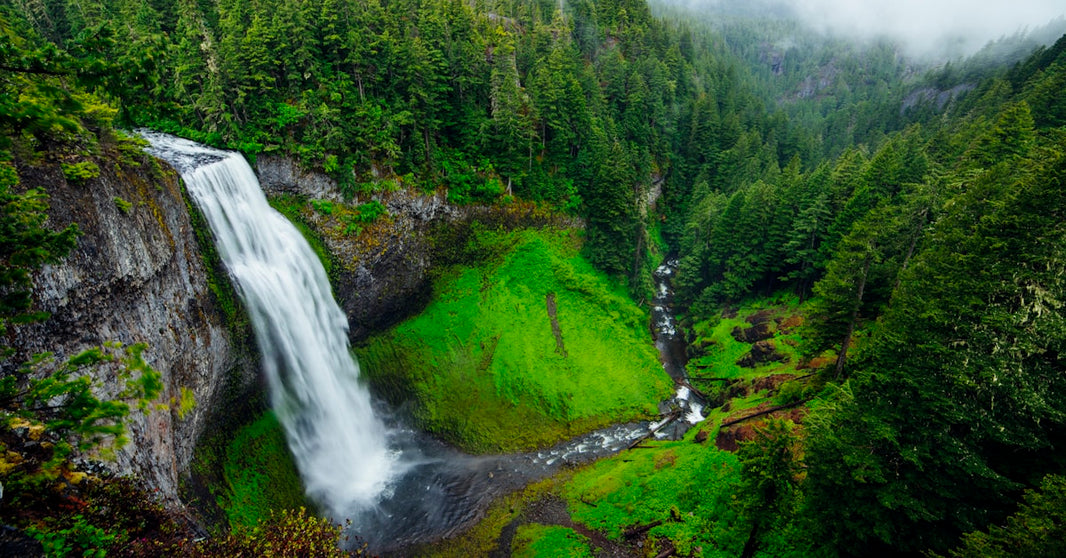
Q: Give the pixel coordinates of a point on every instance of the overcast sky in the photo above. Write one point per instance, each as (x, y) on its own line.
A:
(944, 27)
(926, 25)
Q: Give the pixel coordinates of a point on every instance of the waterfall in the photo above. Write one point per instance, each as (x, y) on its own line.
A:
(340, 446)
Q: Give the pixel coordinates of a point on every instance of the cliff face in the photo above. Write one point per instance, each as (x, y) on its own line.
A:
(136, 275)
(383, 274)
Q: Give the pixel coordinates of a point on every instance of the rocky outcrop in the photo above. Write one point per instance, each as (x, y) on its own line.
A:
(383, 274)
(136, 275)
(284, 175)
(762, 352)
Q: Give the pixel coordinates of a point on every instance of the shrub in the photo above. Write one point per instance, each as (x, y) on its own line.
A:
(80, 172)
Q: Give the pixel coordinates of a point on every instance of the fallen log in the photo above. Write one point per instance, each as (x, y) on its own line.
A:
(671, 418)
(765, 412)
(693, 389)
(637, 530)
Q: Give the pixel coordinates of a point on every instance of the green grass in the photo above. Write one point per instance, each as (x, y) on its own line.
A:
(260, 474)
(685, 485)
(482, 363)
(549, 541)
(718, 352)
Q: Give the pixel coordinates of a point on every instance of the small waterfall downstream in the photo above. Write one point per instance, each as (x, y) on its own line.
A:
(339, 444)
(671, 347)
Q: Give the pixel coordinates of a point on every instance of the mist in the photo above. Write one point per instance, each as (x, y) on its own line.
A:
(935, 28)
(925, 28)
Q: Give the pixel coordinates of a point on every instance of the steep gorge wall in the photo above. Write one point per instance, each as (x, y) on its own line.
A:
(136, 276)
(384, 273)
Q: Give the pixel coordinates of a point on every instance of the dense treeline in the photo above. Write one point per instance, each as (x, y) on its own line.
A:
(584, 106)
(925, 229)
(934, 262)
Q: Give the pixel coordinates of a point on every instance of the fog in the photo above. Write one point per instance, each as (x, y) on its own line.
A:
(929, 27)
(940, 28)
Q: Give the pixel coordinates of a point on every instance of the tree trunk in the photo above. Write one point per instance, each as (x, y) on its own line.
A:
(752, 545)
(843, 357)
(910, 249)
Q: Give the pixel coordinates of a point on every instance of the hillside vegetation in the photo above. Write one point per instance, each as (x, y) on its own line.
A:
(905, 224)
(524, 348)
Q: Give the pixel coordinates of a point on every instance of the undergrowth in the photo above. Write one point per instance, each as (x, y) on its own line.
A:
(549, 541)
(260, 474)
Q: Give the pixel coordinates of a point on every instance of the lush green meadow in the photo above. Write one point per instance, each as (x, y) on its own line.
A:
(486, 368)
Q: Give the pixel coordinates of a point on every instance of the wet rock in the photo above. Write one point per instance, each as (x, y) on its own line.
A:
(762, 352)
(17, 544)
(755, 333)
(135, 276)
(384, 270)
(760, 317)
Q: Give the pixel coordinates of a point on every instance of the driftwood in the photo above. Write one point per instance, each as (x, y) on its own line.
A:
(637, 530)
(670, 418)
(765, 412)
(711, 379)
(693, 389)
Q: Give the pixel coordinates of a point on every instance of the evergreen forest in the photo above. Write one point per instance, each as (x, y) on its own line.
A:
(870, 269)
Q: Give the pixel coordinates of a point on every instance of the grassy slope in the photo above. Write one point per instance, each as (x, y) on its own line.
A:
(485, 344)
(688, 486)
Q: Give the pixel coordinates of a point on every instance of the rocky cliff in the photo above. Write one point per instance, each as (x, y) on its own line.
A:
(135, 276)
(383, 274)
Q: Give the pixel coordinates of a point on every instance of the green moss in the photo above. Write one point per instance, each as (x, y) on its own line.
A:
(549, 541)
(123, 205)
(486, 342)
(686, 486)
(482, 539)
(717, 352)
(260, 474)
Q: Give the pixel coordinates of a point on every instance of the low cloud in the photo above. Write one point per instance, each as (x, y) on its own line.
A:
(942, 28)
(927, 27)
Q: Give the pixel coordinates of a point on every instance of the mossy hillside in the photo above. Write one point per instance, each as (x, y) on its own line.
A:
(260, 474)
(485, 367)
(549, 541)
(685, 485)
(690, 487)
(715, 351)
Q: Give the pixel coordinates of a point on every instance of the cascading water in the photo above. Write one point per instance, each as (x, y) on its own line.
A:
(339, 444)
(399, 486)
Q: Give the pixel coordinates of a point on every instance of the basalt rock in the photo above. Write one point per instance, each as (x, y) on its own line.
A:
(755, 333)
(135, 276)
(383, 274)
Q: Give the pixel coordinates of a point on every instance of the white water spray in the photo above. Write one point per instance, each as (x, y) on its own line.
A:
(339, 444)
